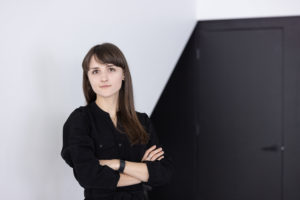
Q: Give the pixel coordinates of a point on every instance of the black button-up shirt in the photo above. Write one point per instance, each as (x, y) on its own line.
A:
(90, 135)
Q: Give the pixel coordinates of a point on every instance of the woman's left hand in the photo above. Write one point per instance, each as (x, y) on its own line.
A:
(113, 163)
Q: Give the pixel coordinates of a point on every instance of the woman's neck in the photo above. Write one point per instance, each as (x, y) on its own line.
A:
(109, 105)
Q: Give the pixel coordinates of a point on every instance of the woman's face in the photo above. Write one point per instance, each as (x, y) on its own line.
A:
(101, 75)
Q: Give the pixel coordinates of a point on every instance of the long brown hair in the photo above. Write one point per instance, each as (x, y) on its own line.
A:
(126, 115)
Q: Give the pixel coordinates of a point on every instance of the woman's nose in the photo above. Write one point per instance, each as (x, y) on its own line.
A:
(104, 76)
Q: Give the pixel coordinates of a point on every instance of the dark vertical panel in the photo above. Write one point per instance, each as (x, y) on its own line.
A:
(173, 118)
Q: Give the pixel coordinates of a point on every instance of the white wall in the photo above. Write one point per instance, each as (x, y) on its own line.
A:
(42, 44)
(233, 9)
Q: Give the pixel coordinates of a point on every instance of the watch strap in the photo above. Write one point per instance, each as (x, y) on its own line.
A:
(122, 166)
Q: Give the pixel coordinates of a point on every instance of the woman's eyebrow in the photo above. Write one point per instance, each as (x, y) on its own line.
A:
(107, 65)
(94, 68)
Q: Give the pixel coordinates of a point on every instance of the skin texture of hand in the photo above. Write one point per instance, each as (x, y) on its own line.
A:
(136, 170)
(153, 154)
(112, 163)
(126, 180)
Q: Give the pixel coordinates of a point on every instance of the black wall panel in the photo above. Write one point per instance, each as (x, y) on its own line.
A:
(230, 112)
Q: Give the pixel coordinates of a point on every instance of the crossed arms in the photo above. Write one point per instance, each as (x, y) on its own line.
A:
(134, 172)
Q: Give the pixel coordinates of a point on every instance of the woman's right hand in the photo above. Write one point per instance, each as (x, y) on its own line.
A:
(153, 154)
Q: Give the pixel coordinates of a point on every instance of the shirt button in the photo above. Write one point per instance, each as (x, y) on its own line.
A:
(120, 144)
(100, 145)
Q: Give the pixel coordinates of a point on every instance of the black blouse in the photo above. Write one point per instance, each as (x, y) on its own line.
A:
(90, 135)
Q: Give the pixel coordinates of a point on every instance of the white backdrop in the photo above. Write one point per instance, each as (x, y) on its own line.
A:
(42, 44)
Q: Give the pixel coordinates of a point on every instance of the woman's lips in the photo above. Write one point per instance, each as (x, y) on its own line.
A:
(105, 86)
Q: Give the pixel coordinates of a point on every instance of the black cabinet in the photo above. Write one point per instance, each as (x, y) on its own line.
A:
(230, 112)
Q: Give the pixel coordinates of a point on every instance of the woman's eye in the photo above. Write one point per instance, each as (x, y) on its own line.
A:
(95, 72)
(112, 69)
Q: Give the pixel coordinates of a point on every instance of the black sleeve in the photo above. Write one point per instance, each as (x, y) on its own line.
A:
(79, 153)
(160, 171)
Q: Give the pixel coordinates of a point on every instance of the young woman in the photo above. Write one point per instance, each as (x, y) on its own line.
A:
(112, 148)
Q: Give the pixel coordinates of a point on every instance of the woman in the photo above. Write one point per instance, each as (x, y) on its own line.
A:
(112, 148)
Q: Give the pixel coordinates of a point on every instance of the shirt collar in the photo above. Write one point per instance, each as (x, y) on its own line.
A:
(99, 110)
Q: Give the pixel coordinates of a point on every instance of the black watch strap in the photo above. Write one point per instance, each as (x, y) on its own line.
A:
(122, 166)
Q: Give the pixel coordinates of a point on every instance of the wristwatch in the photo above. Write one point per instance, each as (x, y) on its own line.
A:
(122, 166)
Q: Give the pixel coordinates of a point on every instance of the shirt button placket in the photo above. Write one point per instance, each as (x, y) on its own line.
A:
(120, 149)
